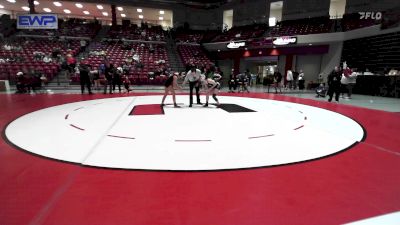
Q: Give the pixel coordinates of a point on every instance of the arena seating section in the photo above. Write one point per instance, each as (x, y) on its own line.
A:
(193, 55)
(133, 32)
(116, 55)
(10, 69)
(302, 27)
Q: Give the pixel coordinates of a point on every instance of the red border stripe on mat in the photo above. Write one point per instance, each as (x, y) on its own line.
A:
(76, 127)
(192, 140)
(268, 135)
(116, 136)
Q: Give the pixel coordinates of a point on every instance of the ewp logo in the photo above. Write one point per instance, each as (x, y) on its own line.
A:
(37, 21)
(372, 15)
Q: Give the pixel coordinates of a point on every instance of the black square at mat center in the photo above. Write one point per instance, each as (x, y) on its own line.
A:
(233, 108)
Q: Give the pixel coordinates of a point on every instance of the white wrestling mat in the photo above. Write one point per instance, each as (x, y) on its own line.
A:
(102, 133)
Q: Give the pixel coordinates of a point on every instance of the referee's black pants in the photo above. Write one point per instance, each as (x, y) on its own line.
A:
(196, 85)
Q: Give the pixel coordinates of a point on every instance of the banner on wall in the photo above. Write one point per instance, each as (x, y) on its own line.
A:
(37, 21)
(233, 44)
(284, 40)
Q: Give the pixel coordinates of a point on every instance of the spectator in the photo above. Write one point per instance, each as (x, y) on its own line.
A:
(334, 84)
(301, 80)
(117, 74)
(277, 82)
(47, 59)
(83, 45)
(85, 78)
(127, 83)
(108, 72)
(289, 79)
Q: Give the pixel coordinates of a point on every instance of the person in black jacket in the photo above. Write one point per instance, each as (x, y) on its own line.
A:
(334, 83)
(277, 82)
(232, 83)
(117, 78)
(85, 78)
(108, 73)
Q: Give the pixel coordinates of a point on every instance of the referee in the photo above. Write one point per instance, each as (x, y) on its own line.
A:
(193, 77)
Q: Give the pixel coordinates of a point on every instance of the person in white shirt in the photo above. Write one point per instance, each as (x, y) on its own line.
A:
(47, 59)
(135, 57)
(301, 80)
(7, 47)
(83, 45)
(193, 77)
(289, 79)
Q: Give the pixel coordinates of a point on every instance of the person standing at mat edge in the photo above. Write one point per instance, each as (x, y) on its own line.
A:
(171, 84)
(193, 77)
(334, 83)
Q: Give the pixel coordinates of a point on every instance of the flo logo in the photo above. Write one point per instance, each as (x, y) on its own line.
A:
(370, 15)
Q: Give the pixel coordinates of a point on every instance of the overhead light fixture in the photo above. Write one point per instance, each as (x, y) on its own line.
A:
(46, 9)
(1, 6)
(105, 13)
(123, 15)
(67, 11)
(310, 44)
(86, 12)
(79, 5)
(139, 10)
(161, 18)
(12, 1)
(99, 6)
(26, 8)
(36, 2)
(162, 12)
(120, 8)
(57, 4)
(140, 16)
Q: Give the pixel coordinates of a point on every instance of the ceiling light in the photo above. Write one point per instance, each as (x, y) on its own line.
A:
(36, 2)
(105, 13)
(57, 4)
(162, 12)
(26, 8)
(140, 16)
(46, 9)
(79, 5)
(86, 12)
(120, 8)
(139, 10)
(1, 7)
(99, 6)
(161, 18)
(67, 11)
(123, 15)
(12, 1)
